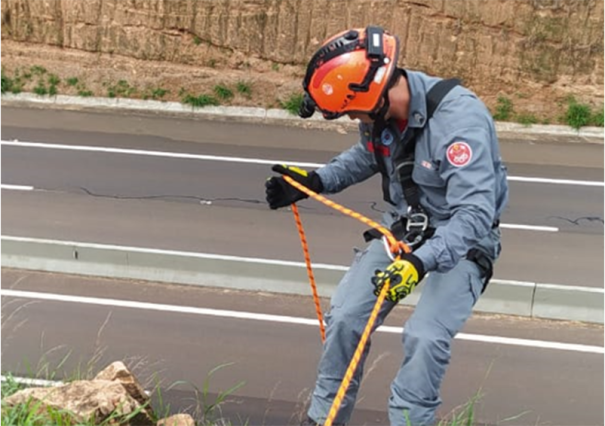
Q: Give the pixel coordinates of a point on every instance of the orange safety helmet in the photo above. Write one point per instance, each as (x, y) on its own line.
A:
(350, 73)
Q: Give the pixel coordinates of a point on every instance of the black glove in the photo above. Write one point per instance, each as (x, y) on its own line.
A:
(281, 194)
(402, 274)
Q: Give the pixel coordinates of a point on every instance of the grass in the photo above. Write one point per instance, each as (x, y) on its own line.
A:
(32, 413)
(200, 100)
(293, 103)
(597, 118)
(527, 119)
(40, 81)
(223, 92)
(6, 82)
(577, 114)
(155, 93)
(72, 81)
(122, 89)
(504, 109)
(40, 89)
(244, 88)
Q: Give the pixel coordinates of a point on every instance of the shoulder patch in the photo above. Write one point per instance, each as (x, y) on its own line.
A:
(459, 154)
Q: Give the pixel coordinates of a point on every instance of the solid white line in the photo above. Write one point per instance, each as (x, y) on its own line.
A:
(249, 160)
(17, 187)
(174, 253)
(33, 382)
(283, 319)
(259, 260)
(156, 153)
(29, 382)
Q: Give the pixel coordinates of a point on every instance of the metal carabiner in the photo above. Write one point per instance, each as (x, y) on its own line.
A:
(416, 219)
(387, 248)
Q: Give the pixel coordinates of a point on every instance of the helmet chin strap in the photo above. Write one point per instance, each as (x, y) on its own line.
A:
(379, 116)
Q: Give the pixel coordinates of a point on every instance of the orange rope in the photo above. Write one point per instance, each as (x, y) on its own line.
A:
(305, 247)
(396, 248)
(394, 245)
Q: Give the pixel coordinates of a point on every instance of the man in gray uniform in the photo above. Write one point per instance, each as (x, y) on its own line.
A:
(438, 154)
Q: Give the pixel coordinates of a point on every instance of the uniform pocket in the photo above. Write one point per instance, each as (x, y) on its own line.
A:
(424, 175)
(476, 279)
(342, 289)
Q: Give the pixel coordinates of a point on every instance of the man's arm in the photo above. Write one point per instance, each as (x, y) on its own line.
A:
(467, 168)
(350, 167)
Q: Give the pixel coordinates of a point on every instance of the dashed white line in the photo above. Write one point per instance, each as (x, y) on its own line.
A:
(250, 160)
(283, 319)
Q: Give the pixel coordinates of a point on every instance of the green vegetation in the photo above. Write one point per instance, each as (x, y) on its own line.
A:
(155, 93)
(527, 119)
(579, 114)
(37, 70)
(40, 81)
(54, 80)
(293, 103)
(121, 90)
(223, 92)
(199, 101)
(40, 89)
(6, 83)
(244, 88)
(85, 93)
(196, 40)
(207, 409)
(597, 118)
(504, 109)
(72, 81)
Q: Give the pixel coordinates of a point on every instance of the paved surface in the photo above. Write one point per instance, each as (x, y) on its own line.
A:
(162, 203)
(548, 386)
(155, 202)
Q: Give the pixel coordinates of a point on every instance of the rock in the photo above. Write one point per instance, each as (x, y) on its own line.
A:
(117, 372)
(85, 399)
(177, 420)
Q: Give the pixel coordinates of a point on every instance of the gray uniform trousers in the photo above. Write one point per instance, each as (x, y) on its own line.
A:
(445, 304)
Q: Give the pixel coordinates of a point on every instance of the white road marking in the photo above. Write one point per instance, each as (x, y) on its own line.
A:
(555, 181)
(529, 227)
(250, 160)
(283, 319)
(29, 382)
(240, 259)
(17, 187)
(32, 382)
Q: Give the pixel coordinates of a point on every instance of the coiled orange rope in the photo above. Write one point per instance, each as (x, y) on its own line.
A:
(396, 247)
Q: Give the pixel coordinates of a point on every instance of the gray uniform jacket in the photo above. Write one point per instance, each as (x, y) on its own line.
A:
(458, 169)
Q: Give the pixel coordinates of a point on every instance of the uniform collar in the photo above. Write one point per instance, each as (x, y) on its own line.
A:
(417, 114)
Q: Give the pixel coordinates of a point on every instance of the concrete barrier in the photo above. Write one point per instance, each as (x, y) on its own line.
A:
(255, 274)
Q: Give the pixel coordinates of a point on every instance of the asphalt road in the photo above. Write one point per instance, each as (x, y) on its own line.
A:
(213, 206)
(277, 360)
(217, 207)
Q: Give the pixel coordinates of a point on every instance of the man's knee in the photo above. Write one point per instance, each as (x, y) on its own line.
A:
(344, 322)
(426, 342)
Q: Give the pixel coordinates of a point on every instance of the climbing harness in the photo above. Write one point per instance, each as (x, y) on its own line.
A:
(395, 249)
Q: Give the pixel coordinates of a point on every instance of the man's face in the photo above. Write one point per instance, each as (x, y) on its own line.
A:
(364, 118)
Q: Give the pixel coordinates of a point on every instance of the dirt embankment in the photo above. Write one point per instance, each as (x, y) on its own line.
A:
(535, 53)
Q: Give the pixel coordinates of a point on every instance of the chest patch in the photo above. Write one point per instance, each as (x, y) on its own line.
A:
(386, 137)
(459, 154)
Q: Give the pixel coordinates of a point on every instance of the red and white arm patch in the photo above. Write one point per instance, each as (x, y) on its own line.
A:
(459, 153)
